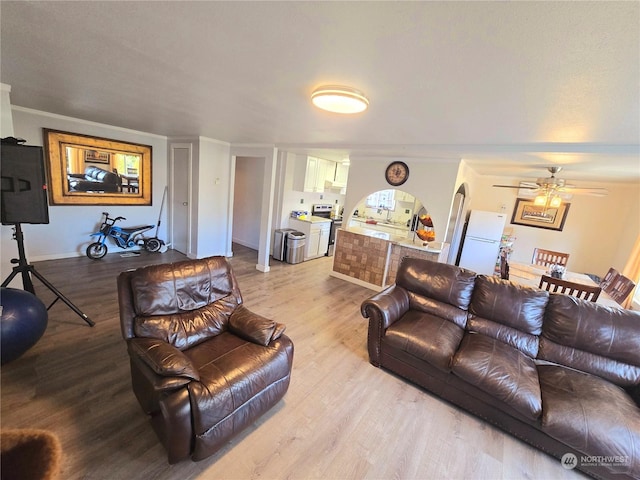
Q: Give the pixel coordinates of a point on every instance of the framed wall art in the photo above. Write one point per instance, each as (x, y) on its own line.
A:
(95, 156)
(530, 215)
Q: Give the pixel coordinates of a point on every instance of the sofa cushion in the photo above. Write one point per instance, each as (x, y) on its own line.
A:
(510, 313)
(593, 338)
(437, 308)
(233, 373)
(427, 337)
(591, 415)
(501, 371)
(439, 281)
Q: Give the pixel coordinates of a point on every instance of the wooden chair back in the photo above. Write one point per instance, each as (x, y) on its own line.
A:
(620, 288)
(549, 257)
(504, 266)
(579, 290)
(607, 280)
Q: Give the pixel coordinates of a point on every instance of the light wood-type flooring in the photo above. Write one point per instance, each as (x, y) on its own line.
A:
(342, 418)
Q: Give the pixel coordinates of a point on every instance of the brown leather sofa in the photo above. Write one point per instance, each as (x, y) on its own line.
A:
(95, 179)
(203, 366)
(558, 372)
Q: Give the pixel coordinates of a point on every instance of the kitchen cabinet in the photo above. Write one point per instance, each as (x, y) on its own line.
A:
(341, 175)
(317, 233)
(312, 173)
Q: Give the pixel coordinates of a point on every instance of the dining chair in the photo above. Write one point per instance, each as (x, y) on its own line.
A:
(579, 290)
(549, 257)
(620, 288)
(504, 266)
(607, 281)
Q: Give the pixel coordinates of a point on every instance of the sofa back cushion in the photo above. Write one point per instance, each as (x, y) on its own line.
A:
(184, 303)
(439, 281)
(600, 340)
(510, 313)
(437, 288)
(100, 175)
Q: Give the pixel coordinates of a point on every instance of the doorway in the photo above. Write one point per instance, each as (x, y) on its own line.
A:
(180, 175)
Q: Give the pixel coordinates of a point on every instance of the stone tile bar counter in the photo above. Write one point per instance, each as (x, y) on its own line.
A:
(370, 258)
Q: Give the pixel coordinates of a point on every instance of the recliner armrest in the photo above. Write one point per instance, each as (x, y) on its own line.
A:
(390, 305)
(163, 358)
(253, 327)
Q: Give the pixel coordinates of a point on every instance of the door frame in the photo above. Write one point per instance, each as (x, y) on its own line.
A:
(172, 189)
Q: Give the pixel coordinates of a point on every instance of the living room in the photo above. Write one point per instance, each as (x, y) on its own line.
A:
(480, 132)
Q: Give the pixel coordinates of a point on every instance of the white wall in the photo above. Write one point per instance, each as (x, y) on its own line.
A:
(247, 203)
(433, 182)
(599, 232)
(67, 234)
(212, 190)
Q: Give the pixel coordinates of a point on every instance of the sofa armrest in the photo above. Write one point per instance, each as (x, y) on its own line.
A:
(164, 359)
(253, 327)
(389, 305)
(383, 310)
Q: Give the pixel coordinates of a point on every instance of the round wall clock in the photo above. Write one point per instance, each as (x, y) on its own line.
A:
(396, 173)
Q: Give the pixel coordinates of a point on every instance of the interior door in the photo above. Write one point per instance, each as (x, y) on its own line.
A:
(180, 205)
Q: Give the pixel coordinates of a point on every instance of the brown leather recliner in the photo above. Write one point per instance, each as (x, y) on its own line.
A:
(203, 366)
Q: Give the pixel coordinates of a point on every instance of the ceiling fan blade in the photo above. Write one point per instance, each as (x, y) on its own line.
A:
(532, 186)
(595, 192)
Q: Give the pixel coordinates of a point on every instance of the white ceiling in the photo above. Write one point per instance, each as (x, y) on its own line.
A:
(512, 87)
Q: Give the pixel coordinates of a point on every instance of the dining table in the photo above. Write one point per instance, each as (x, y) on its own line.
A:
(529, 275)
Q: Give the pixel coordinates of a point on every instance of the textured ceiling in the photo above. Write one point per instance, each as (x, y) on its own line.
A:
(511, 87)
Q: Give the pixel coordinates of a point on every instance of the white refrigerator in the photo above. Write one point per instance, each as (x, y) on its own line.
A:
(482, 241)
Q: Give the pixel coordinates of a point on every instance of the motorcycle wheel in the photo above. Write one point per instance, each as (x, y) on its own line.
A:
(96, 251)
(153, 245)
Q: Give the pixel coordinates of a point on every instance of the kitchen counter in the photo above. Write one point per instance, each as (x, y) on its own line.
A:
(403, 240)
(371, 258)
(313, 219)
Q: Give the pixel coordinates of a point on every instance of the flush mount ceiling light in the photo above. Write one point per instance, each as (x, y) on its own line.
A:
(339, 99)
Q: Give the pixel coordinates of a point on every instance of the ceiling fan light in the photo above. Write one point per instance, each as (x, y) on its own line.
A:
(339, 99)
(556, 201)
(540, 200)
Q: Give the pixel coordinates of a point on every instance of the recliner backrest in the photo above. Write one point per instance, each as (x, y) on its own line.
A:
(182, 303)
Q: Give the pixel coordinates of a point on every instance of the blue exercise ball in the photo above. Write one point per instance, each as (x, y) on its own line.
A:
(22, 323)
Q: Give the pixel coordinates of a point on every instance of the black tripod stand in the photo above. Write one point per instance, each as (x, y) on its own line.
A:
(25, 269)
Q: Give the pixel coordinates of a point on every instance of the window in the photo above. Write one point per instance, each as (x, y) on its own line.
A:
(384, 199)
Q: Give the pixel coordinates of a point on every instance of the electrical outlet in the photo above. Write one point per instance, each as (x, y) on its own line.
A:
(301, 201)
(321, 196)
(407, 211)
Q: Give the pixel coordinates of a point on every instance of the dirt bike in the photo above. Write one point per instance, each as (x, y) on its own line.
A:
(123, 237)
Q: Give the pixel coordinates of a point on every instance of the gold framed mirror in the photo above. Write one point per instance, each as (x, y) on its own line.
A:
(85, 170)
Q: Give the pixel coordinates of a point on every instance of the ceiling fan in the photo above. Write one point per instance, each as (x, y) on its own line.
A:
(551, 186)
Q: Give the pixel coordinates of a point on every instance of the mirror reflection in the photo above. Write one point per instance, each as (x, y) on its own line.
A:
(90, 170)
(86, 170)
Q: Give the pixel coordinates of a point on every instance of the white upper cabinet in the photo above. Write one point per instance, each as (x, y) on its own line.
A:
(342, 174)
(314, 174)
